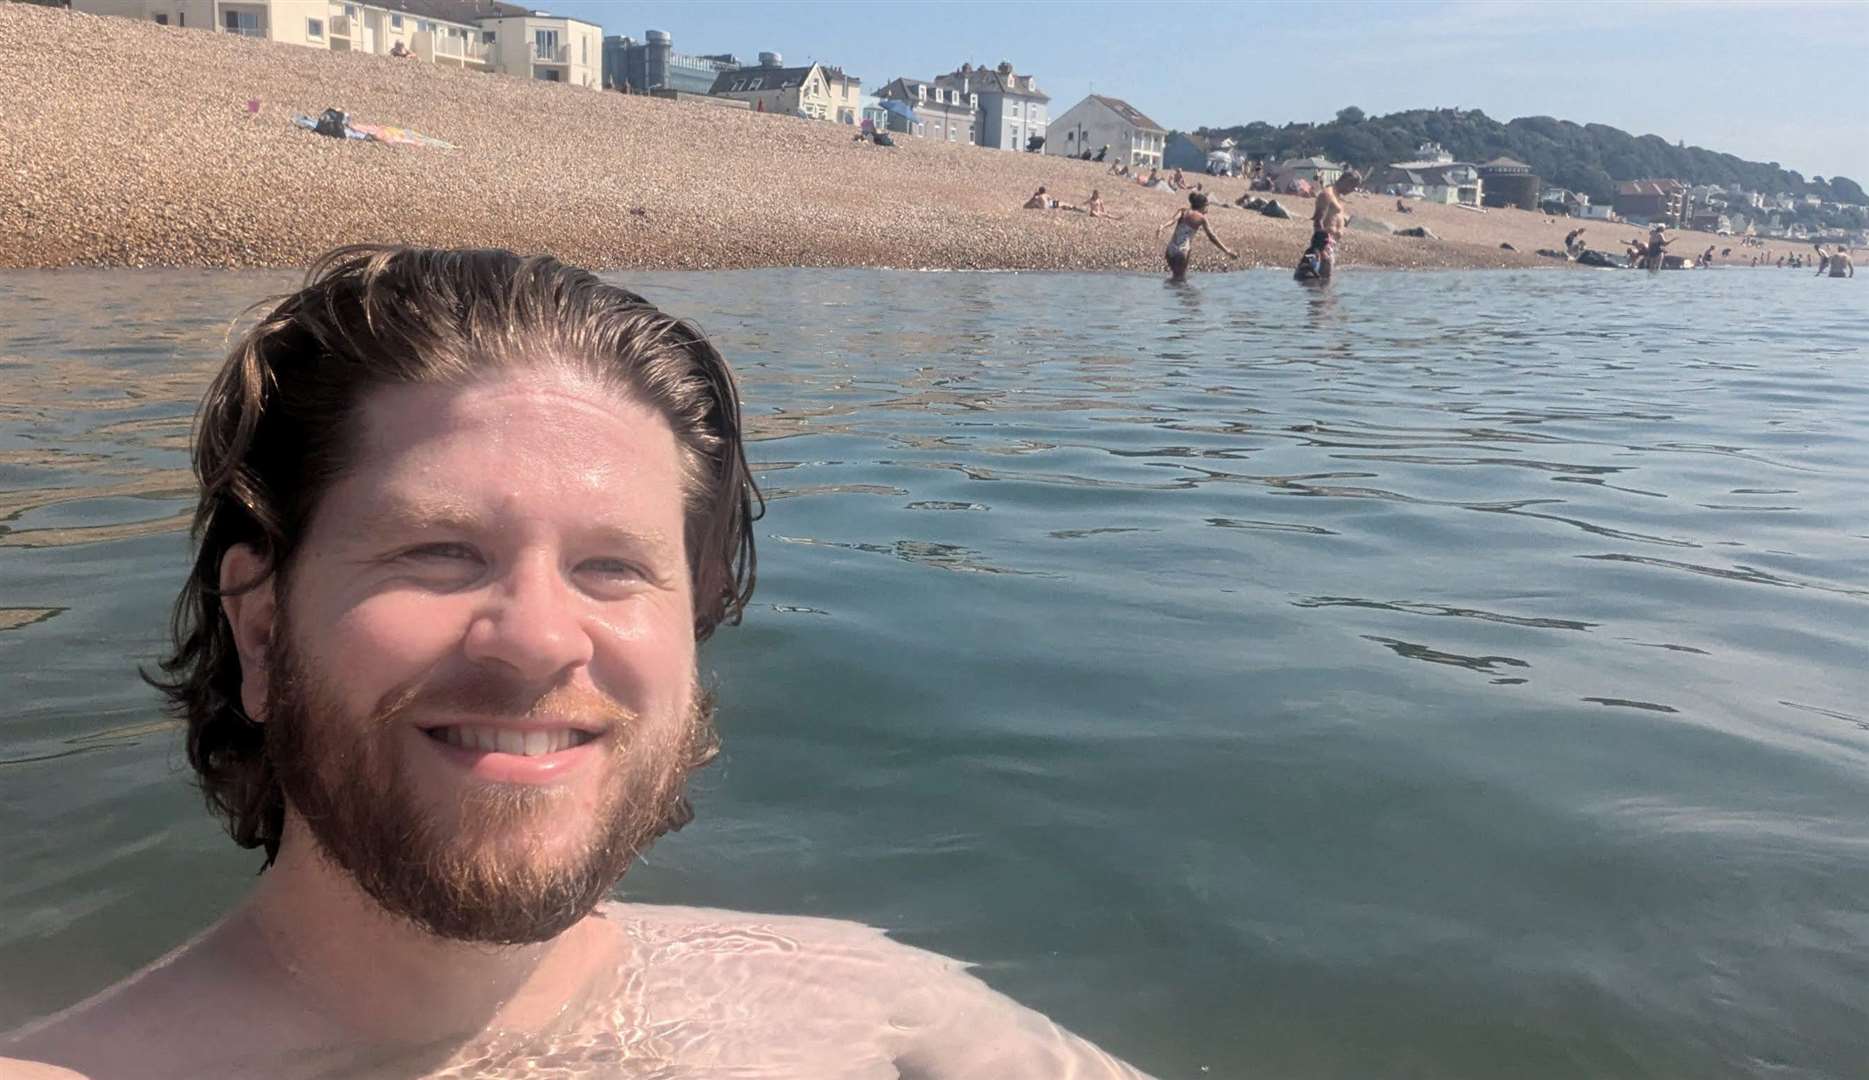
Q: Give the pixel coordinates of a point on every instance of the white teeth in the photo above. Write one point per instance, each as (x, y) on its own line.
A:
(506, 741)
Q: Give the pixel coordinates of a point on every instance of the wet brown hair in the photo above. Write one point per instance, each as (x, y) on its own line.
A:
(278, 422)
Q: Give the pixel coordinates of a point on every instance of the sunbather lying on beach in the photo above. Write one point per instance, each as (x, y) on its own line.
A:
(1042, 201)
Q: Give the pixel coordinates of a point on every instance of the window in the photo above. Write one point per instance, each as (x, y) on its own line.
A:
(421, 26)
(487, 37)
(921, 92)
(161, 19)
(950, 133)
(314, 28)
(395, 22)
(350, 10)
(241, 22)
(584, 48)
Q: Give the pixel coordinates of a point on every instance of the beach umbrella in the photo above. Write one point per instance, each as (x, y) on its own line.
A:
(899, 108)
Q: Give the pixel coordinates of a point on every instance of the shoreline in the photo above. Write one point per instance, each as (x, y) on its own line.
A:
(136, 149)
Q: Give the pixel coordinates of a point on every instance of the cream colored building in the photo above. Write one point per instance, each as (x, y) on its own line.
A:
(816, 91)
(846, 95)
(547, 47)
(483, 35)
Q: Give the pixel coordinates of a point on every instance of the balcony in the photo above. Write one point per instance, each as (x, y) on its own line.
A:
(459, 48)
(246, 31)
(551, 54)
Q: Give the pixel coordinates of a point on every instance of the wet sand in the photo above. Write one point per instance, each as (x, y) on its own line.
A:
(130, 144)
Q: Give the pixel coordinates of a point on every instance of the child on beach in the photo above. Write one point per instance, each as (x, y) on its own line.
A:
(1187, 222)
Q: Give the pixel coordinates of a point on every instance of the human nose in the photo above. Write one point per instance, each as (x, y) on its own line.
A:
(531, 625)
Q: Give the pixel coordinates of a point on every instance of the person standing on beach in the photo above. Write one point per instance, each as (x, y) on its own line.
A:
(1573, 242)
(1187, 223)
(464, 520)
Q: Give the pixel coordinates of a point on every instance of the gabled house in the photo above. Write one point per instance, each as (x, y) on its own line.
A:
(772, 87)
(1186, 150)
(1012, 109)
(1099, 121)
(941, 113)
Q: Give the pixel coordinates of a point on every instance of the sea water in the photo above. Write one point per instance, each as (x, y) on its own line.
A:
(1438, 674)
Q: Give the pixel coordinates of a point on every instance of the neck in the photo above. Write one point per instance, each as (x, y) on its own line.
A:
(380, 978)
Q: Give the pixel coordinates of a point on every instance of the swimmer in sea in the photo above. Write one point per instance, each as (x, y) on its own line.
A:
(1187, 223)
(1841, 265)
(435, 659)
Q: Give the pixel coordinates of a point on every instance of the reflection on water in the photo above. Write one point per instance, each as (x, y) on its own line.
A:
(1439, 674)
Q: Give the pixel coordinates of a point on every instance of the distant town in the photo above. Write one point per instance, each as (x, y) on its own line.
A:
(994, 107)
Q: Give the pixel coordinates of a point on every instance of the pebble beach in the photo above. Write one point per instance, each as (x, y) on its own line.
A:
(132, 144)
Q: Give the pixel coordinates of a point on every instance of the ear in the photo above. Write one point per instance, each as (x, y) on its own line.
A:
(250, 614)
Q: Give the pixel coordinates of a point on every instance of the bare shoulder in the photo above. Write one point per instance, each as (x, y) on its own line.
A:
(18, 1069)
(935, 1016)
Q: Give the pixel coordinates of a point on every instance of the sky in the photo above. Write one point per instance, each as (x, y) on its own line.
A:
(1767, 80)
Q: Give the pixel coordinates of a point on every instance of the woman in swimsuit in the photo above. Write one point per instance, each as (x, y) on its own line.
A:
(1181, 245)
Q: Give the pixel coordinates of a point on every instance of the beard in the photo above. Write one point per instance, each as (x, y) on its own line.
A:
(473, 865)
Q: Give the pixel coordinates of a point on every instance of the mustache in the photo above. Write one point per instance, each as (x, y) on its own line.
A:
(489, 695)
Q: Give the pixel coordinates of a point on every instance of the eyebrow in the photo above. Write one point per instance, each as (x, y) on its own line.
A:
(397, 514)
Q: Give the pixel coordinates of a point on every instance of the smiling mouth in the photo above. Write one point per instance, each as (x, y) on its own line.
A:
(496, 740)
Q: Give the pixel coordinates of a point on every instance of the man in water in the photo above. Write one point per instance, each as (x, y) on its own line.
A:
(1841, 265)
(1328, 218)
(464, 520)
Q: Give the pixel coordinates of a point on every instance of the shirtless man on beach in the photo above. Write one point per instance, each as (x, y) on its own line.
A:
(436, 660)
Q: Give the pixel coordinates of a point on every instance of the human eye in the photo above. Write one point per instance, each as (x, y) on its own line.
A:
(440, 553)
(613, 569)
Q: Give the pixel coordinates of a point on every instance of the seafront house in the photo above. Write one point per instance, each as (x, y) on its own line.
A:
(1651, 201)
(480, 35)
(1186, 150)
(816, 91)
(941, 114)
(550, 48)
(846, 92)
(1434, 176)
(1099, 121)
(1314, 170)
(653, 64)
(1012, 110)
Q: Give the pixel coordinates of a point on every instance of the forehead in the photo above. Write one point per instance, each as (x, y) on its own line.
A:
(537, 442)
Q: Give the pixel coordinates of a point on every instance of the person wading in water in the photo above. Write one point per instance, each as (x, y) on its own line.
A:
(1188, 222)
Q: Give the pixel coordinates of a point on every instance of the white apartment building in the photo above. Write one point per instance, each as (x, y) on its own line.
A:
(485, 35)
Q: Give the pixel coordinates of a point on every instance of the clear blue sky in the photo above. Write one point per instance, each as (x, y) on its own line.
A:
(1769, 81)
